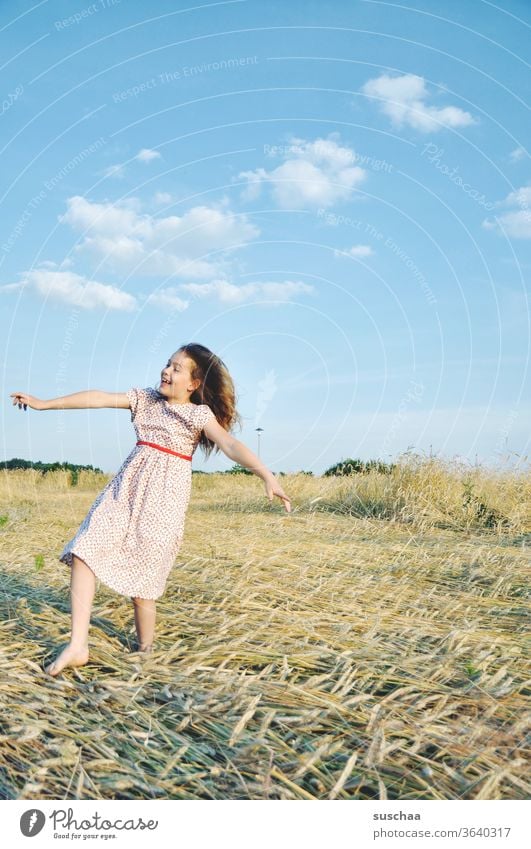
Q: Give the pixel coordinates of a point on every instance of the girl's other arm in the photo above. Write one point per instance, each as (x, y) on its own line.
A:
(237, 451)
(91, 398)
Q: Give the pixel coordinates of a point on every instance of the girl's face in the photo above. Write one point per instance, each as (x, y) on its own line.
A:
(176, 381)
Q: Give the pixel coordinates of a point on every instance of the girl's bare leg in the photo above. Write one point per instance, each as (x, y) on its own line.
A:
(82, 589)
(145, 612)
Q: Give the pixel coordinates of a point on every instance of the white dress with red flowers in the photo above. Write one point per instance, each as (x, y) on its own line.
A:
(132, 533)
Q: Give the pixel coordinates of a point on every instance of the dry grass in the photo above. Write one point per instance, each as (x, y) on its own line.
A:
(370, 645)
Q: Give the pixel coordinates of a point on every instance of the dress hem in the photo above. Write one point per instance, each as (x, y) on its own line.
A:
(66, 557)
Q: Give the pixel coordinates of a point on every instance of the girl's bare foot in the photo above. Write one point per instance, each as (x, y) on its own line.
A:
(70, 656)
(142, 649)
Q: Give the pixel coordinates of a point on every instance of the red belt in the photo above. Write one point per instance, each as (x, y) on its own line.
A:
(167, 450)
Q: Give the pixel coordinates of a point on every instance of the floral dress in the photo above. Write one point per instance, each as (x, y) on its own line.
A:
(134, 529)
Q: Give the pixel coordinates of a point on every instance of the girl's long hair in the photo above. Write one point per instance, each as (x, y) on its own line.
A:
(216, 390)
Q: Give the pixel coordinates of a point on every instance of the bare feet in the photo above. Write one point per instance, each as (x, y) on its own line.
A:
(142, 649)
(70, 656)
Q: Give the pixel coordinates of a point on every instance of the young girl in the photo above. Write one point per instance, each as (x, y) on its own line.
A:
(131, 535)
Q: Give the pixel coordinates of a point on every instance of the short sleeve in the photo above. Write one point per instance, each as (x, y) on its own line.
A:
(205, 415)
(135, 397)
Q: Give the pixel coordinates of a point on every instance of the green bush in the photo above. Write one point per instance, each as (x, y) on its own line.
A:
(355, 467)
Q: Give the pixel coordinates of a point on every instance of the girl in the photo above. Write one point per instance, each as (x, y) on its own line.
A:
(131, 535)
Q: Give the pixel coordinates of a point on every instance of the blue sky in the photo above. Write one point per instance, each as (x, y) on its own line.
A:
(334, 197)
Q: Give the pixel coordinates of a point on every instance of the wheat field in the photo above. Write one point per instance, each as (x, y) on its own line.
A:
(369, 645)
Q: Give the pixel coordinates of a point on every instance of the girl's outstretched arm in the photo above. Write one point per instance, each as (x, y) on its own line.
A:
(91, 398)
(237, 451)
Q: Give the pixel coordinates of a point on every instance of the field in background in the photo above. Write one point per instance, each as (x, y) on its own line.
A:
(369, 645)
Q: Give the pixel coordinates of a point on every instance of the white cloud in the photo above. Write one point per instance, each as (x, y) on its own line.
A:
(314, 173)
(229, 293)
(517, 154)
(12, 287)
(117, 170)
(355, 251)
(147, 155)
(126, 240)
(162, 198)
(254, 183)
(49, 263)
(517, 221)
(403, 99)
(520, 197)
(112, 219)
(71, 288)
(168, 297)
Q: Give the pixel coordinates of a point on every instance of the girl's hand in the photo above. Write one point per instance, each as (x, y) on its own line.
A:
(273, 488)
(24, 400)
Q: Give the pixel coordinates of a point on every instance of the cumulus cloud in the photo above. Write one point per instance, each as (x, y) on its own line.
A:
(71, 288)
(126, 240)
(516, 222)
(162, 198)
(65, 263)
(313, 173)
(403, 100)
(117, 171)
(356, 251)
(147, 155)
(11, 287)
(229, 293)
(254, 183)
(76, 290)
(517, 154)
(168, 298)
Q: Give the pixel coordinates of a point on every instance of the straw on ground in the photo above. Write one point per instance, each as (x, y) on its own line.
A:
(368, 645)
